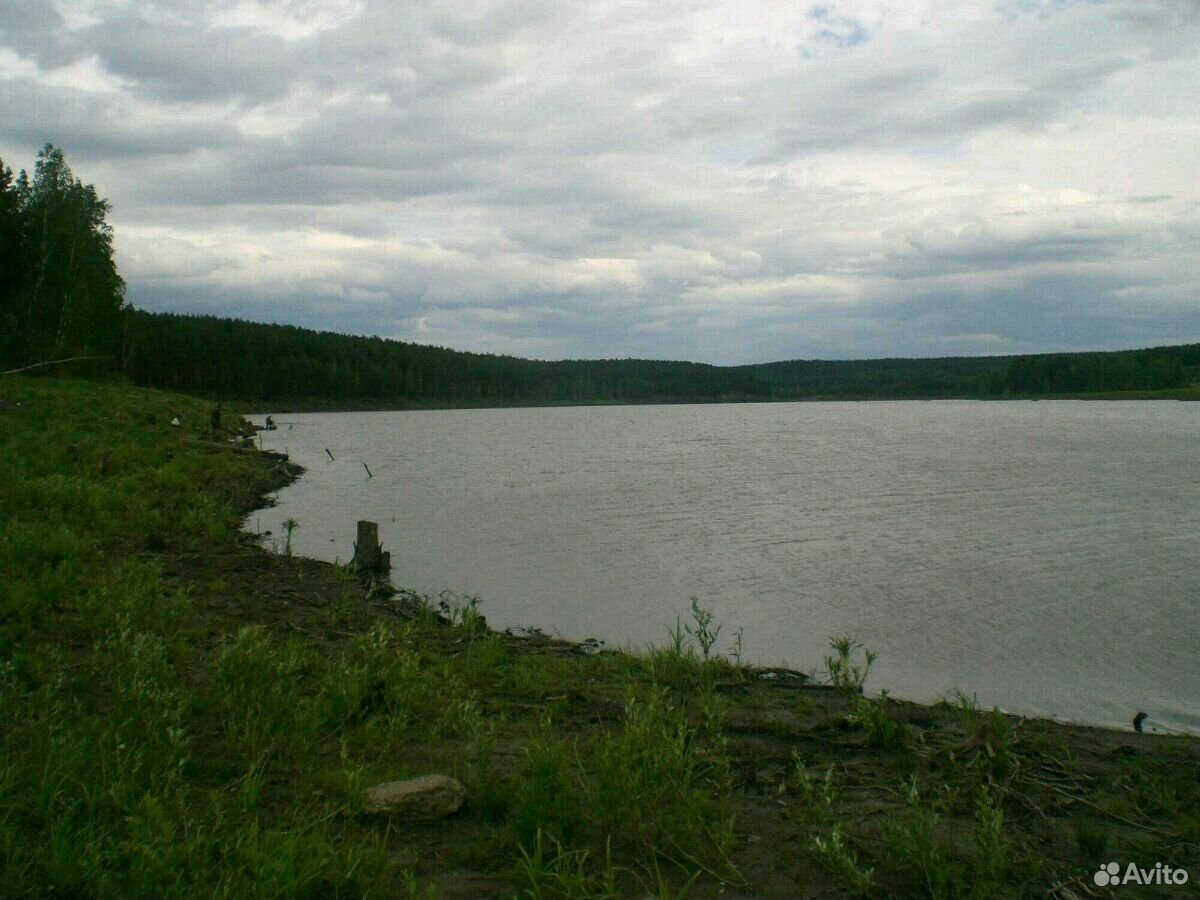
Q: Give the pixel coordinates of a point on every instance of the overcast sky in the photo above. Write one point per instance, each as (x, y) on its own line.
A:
(724, 182)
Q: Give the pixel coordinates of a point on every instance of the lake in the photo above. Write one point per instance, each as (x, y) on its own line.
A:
(1041, 555)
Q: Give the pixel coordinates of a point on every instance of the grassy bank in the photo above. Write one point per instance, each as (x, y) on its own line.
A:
(185, 715)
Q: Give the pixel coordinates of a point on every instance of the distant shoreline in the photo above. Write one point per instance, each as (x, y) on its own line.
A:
(313, 405)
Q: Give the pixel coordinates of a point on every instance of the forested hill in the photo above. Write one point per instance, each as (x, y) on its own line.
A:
(62, 301)
(232, 359)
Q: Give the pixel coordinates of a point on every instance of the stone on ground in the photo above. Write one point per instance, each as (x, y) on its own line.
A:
(427, 797)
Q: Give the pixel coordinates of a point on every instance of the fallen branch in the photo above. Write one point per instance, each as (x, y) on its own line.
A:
(52, 362)
(1142, 826)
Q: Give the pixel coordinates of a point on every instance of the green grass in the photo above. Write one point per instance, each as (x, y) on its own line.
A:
(174, 726)
(144, 757)
(107, 693)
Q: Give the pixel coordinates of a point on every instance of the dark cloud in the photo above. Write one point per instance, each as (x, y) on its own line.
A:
(103, 127)
(182, 62)
(32, 28)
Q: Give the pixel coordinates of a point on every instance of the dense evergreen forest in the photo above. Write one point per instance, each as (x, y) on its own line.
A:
(281, 363)
(60, 294)
(61, 297)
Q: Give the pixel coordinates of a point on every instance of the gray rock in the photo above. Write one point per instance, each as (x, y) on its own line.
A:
(427, 797)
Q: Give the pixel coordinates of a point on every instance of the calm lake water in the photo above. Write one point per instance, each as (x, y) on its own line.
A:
(1042, 555)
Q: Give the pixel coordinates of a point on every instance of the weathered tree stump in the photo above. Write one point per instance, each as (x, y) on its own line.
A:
(368, 553)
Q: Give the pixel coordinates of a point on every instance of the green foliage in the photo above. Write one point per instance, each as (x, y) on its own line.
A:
(377, 693)
(461, 612)
(989, 748)
(1168, 794)
(844, 669)
(60, 294)
(548, 802)
(289, 526)
(819, 797)
(259, 680)
(235, 359)
(689, 661)
(818, 794)
(883, 732)
(155, 745)
(919, 850)
(114, 712)
(652, 785)
(990, 848)
(702, 630)
(549, 872)
(923, 855)
(836, 856)
(1146, 370)
(257, 362)
(653, 782)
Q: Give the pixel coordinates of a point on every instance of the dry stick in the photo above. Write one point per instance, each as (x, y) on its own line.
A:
(52, 362)
(369, 475)
(330, 454)
(1112, 815)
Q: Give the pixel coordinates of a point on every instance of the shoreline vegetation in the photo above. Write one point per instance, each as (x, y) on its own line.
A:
(186, 714)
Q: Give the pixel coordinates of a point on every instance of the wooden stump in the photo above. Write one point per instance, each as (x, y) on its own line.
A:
(368, 554)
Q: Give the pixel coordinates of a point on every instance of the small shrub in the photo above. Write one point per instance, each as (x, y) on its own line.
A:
(991, 856)
(548, 802)
(462, 612)
(289, 526)
(688, 660)
(989, 746)
(259, 680)
(702, 630)
(844, 669)
(883, 732)
(915, 848)
(376, 677)
(654, 782)
(680, 645)
(550, 872)
(818, 794)
(842, 861)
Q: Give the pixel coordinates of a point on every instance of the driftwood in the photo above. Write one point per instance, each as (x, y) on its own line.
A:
(52, 362)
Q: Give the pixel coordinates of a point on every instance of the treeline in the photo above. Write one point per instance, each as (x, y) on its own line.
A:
(281, 363)
(1133, 370)
(250, 361)
(1156, 369)
(60, 294)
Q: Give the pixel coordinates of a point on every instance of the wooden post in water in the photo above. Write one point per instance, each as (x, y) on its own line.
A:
(368, 554)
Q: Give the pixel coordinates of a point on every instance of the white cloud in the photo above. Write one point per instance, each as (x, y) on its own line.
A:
(86, 74)
(726, 181)
(291, 20)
